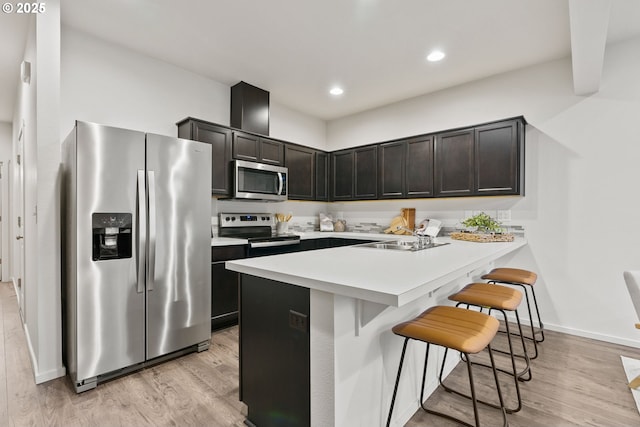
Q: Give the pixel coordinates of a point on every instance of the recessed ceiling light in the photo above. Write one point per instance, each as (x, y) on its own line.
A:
(434, 56)
(336, 91)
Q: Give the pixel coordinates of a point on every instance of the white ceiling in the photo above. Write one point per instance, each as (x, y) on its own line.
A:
(298, 49)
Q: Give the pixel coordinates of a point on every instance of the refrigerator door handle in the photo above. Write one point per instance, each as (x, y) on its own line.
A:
(142, 229)
(152, 229)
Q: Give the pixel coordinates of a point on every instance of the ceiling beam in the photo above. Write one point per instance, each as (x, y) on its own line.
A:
(589, 21)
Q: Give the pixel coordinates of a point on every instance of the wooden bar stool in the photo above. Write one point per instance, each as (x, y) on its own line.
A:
(466, 331)
(524, 279)
(502, 299)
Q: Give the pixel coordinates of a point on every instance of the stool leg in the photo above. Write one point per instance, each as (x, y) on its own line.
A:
(473, 391)
(505, 423)
(533, 331)
(473, 396)
(524, 349)
(535, 302)
(516, 375)
(395, 388)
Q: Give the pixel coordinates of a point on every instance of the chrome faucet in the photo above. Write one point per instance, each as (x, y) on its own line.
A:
(423, 240)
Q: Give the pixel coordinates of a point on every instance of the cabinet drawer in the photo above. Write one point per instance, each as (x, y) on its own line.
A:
(226, 253)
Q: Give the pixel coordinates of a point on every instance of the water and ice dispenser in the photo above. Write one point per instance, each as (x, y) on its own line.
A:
(112, 235)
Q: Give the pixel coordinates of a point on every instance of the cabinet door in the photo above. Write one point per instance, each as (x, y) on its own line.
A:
(224, 286)
(391, 169)
(365, 177)
(300, 162)
(271, 152)
(454, 163)
(274, 352)
(419, 170)
(246, 147)
(342, 175)
(224, 296)
(497, 158)
(220, 140)
(321, 176)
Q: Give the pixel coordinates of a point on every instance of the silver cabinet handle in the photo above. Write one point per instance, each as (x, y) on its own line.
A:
(142, 229)
(151, 179)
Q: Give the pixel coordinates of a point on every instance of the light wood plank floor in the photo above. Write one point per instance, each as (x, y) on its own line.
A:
(577, 382)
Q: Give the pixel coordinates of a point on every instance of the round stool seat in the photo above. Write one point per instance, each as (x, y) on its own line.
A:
(512, 275)
(463, 330)
(486, 295)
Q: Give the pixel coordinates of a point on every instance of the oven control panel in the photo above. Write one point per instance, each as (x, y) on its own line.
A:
(245, 220)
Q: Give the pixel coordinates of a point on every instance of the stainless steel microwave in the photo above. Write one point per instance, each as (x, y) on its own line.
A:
(258, 181)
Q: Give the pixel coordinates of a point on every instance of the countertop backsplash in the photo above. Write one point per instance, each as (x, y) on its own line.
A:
(362, 224)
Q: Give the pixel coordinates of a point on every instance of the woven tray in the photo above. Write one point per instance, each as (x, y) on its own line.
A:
(482, 238)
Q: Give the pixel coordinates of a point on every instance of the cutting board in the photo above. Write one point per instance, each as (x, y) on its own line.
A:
(409, 214)
(396, 222)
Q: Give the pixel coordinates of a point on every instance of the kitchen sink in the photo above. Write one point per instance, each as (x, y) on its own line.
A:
(400, 245)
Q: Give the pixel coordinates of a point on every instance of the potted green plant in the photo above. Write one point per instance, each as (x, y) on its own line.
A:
(483, 223)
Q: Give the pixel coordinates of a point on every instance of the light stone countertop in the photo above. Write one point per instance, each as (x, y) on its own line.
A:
(229, 241)
(388, 277)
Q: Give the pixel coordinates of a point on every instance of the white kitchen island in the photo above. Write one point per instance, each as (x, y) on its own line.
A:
(356, 294)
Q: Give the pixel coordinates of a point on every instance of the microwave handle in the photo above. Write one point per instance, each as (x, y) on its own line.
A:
(280, 183)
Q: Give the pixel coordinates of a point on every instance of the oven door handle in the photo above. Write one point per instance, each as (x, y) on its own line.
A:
(274, 243)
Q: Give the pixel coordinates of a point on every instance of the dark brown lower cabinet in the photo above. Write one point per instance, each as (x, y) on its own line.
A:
(274, 353)
(224, 286)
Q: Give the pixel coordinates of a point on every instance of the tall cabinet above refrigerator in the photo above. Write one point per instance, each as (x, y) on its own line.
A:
(136, 227)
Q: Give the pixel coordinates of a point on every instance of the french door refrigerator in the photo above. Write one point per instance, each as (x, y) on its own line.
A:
(137, 239)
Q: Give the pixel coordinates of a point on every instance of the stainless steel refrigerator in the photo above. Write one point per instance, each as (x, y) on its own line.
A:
(137, 243)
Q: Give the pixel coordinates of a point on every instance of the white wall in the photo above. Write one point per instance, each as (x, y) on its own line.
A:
(111, 85)
(581, 200)
(36, 115)
(6, 132)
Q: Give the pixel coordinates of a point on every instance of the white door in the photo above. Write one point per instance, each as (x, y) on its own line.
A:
(19, 225)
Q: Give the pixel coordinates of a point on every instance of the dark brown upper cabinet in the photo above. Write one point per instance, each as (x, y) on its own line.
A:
(255, 148)
(354, 173)
(321, 176)
(405, 168)
(392, 162)
(365, 173)
(342, 175)
(482, 160)
(499, 161)
(454, 163)
(301, 164)
(419, 169)
(220, 139)
(486, 160)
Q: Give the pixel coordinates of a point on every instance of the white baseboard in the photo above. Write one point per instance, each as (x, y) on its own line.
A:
(38, 376)
(600, 337)
(524, 320)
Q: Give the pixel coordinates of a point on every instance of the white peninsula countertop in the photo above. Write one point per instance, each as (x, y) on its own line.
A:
(356, 295)
(383, 276)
